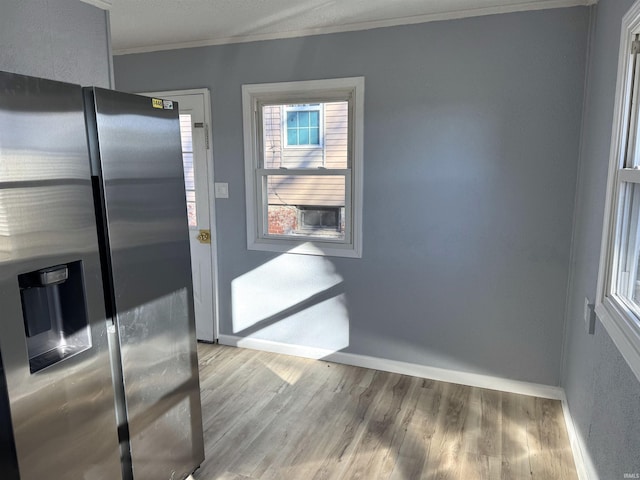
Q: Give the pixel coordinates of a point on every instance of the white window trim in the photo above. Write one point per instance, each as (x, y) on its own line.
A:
(619, 321)
(285, 92)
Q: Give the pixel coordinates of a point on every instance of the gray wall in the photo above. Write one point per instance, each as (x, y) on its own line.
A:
(64, 40)
(603, 393)
(471, 144)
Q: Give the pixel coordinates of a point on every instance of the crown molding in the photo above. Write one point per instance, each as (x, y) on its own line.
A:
(474, 12)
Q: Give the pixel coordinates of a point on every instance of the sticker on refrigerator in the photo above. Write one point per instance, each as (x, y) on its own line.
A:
(167, 104)
(156, 103)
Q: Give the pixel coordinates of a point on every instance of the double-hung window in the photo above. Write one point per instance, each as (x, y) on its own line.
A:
(618, 297)
(303, 166)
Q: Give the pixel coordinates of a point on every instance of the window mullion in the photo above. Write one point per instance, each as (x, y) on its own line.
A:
(303, 171)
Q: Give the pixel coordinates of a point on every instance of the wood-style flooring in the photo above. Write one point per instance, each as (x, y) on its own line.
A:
(277, 417)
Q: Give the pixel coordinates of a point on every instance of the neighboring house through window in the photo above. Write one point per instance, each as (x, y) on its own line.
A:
(303, 166)
(618, 297)
(303, 125)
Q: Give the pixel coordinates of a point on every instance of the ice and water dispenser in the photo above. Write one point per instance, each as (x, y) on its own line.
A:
(55, 314)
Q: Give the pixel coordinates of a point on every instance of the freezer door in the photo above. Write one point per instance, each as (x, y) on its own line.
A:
(53, 326)
(144, 208)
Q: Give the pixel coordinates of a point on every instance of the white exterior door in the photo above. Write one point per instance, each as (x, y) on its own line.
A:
(194, 106)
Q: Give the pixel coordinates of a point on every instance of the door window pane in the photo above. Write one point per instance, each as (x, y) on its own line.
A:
(186, 137)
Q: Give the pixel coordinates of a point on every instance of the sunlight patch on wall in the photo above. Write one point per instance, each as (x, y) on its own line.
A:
(325, 325)
(295, 299)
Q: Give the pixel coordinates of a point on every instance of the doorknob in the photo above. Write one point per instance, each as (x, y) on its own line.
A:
(204, 236)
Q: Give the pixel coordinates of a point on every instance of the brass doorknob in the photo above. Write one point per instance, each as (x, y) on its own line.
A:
(204, 236)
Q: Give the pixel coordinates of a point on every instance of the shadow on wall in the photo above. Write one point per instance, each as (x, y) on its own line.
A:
(295, 299)
(302, 301)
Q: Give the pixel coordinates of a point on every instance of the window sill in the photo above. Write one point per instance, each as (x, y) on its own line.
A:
(309, 247)
(624, 332)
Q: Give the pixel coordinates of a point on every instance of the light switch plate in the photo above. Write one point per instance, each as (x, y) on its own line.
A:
(221, 190)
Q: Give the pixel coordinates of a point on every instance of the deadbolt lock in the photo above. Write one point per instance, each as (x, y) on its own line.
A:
(204, 236)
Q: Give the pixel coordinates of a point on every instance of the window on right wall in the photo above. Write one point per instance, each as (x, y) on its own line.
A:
(618, 297)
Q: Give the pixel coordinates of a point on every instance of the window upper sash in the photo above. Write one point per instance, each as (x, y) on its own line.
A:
(632, 149)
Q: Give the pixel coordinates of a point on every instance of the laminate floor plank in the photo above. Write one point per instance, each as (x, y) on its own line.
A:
(346, 440)
(446, 455)
(376, 444)
(411, 461)
(490, 438)
(293, 415)
(219, 392)
(317, 431)
(546, 440)
(276, 417)
(257, 403)
(400, 434)
(515, 449)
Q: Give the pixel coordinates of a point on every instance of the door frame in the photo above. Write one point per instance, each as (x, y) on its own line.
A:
(211, 187)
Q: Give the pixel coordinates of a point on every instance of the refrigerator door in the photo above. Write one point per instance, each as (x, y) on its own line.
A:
(53, 342)
(8, 459)
(144, 212)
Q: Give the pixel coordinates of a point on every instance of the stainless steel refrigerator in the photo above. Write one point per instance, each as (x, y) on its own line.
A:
(97, 338)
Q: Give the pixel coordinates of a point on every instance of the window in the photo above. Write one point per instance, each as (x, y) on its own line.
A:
(303, 125)
(320, 219)
(303, 166)
(618, 297)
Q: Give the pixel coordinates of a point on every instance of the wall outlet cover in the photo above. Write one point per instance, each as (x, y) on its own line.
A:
(589, 316)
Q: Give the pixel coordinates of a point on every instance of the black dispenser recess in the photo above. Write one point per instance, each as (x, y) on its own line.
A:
(54, 313)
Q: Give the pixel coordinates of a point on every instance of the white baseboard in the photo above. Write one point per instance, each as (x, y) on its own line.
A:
(395, 366)
(584, 466)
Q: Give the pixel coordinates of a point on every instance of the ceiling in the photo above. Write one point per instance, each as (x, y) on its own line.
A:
(148, 25)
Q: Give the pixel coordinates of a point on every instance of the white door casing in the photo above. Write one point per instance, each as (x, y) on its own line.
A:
(195, 124)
